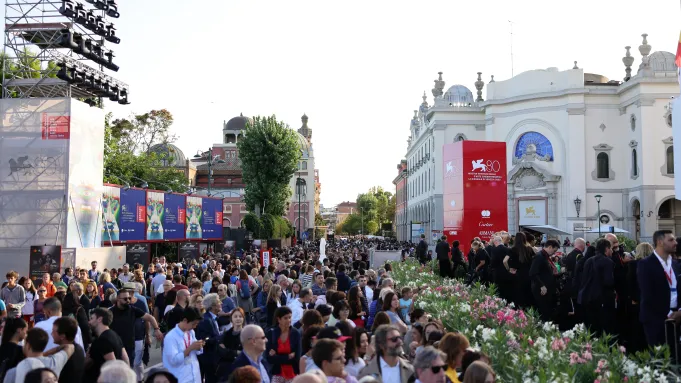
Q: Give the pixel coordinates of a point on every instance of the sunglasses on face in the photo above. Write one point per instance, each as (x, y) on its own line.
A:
(437, 369)
(42, 291)
(395, 339)
(126, 299)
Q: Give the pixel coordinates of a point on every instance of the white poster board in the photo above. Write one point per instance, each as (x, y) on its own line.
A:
(106, 257)
(532, 212)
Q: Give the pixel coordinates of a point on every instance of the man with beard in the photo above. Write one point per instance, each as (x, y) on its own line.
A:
(123, 323)
(392, 367)
(107, 345)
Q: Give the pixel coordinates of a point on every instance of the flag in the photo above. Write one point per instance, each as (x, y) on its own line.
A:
(678, 59)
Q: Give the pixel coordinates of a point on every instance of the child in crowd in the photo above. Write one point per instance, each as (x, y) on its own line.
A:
(405, 303)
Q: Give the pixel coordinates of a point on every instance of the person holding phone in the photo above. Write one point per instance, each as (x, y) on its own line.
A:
(181, 348)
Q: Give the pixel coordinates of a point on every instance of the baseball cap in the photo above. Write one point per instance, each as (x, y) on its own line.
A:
(332, 333)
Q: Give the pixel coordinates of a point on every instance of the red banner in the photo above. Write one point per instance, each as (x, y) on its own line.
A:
(474, 190)
(56, 127)
(141, 213)
(181, 215)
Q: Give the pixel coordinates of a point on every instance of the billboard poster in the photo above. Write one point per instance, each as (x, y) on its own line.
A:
(532, 212)
(56, 126)
(137, 253)
(174, 217)
(212, 219)
(44, 259)
(229, 247)
(265, 258)
(188, 252)
(68, 259)
(194, 219)
(133, 214)
(111, 213)
(155, 212)
(474, 190)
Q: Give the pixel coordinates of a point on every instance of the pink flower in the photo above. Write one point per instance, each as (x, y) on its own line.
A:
(622, 349)
(557, 344)
(587, 355)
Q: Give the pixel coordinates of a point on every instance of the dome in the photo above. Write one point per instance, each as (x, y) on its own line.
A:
(593, 78)
(304, 145)
(237, 123)
(171, 155)
(458, 95)
(661, 61)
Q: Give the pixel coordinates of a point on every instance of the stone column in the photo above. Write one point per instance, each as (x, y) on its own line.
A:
(552, 194)
(512, 220)
(648, 224)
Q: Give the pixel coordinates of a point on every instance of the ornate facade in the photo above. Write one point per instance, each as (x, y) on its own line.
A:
(570, 136)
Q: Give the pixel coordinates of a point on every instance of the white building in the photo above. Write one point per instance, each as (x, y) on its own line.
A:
(571, 136)
(301, 211)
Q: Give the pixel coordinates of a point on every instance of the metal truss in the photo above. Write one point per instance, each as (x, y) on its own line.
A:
(33, 53)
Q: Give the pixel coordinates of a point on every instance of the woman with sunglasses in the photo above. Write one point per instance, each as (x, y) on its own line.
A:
(38, 314)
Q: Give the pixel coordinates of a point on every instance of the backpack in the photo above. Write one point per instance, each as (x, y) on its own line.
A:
(245, 289)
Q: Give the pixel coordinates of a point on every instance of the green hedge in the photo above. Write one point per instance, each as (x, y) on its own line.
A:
(268, 226)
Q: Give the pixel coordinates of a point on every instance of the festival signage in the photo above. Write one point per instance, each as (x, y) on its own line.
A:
(474, 190)
(212, 219)
(194, 212)
(155, 213)
(265, 258)
(111, 213)
(44, 259)
(188, 252)
(174, 217)
(137, 253)
(68, 259)
(123, 214)
(532, 212)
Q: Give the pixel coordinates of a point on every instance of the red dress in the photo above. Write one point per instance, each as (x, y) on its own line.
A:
(284, 348)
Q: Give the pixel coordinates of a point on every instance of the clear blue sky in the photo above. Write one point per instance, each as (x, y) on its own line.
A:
(357, 68)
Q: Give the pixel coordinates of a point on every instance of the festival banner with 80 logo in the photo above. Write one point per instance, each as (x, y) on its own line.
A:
(123, 214)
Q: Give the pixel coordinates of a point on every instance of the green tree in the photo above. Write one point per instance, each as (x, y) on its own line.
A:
(319, 221)
(139, 133)
(269, 153)
(122, 165)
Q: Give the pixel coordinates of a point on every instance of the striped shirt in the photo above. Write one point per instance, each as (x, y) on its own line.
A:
(306, 280)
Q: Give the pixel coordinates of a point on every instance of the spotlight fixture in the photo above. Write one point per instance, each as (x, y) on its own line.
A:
(109, 6)
(88, 48)
(87, 18)
(82, 76)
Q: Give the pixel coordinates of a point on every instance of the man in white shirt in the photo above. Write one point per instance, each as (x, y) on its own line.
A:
(158, 279)
(180, 348)
(298, 306)
(52, 310)
(34, 345)
(126, 275)
(393, 368)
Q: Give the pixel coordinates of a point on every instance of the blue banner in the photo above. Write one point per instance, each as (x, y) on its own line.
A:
(133, 215)
(212, 219)
(174, 217)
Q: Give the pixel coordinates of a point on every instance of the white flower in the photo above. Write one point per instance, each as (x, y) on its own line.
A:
(579, 328)
(480, 327)
(464, 307)
(422, 304)
(569, 334)
(488, 333)
(548, 326)
(510, 334)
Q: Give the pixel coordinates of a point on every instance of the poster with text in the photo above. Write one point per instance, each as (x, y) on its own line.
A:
(188, 252)
(44, 259)
(155, 212)
(137, 253)
(68, 259)
(111, 213)
(174, 217)
(133, 216)
(194, 218)
(212, 219)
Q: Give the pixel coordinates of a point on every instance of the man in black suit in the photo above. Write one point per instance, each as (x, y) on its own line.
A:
(658, 278)
(570, 260)
(254, 342)
(597, 289)
(421, 250)
(442, 251)
(208, 330)
(542, 274)
(501, 276)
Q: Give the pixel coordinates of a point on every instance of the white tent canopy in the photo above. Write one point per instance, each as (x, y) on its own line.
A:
(548, 230)
(607, 229)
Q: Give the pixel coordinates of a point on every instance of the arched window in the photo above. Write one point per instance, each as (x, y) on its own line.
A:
(304, 165)
(634, 163)
(603, 165)
(670, 159)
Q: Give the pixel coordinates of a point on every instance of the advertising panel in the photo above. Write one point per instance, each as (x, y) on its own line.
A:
(137, 253)
(111, 213)
(155, 213)
(194, 212)
(44, 259)
(212, 219)
(133, 215)
(68, 259)
(532, 212)
(474, 190)
(188, 252)
(174, 217)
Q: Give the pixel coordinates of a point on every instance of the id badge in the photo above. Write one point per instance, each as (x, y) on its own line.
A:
(673, 289)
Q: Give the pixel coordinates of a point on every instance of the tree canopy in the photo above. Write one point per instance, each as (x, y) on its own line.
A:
(124, 163)
(269, 153)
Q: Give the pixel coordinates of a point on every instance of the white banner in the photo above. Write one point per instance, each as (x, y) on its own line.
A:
(532, 212)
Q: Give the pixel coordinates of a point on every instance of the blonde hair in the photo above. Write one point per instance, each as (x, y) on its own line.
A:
(193, 302)
(476, 245)
(274, 294)
(105, 277)
(643, 250)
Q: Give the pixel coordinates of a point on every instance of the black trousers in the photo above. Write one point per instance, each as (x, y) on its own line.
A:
(545, 305)
(445, 268)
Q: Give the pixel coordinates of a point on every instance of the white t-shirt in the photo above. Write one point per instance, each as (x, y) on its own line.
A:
(55, 363)
(46, 326)
(389, 374)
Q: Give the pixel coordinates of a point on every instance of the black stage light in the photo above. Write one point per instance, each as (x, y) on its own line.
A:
(113, 9)
(68, 8)
(81, 14)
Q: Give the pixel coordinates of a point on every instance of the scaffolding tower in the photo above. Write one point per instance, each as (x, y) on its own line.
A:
(35, 51)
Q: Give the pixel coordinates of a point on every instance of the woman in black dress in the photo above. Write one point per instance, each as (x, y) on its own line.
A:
(519, 262)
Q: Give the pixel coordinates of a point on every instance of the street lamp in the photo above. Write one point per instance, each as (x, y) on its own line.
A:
(211, 159)
(300, 184)
(598, 218)
(578, 205)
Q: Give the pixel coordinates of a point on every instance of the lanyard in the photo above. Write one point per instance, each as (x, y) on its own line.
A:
(668, 276)
(188, 341)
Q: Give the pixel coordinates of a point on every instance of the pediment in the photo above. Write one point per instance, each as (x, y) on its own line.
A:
(530, 175)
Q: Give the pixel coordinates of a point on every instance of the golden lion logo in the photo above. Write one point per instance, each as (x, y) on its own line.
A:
(530, 210)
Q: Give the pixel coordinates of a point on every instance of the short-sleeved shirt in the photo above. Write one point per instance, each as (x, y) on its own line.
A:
(2, 305)
(124, 324)
(106, 342)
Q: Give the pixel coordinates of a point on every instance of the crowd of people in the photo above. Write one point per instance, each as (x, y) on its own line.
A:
(224, 318)
(626, 293)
